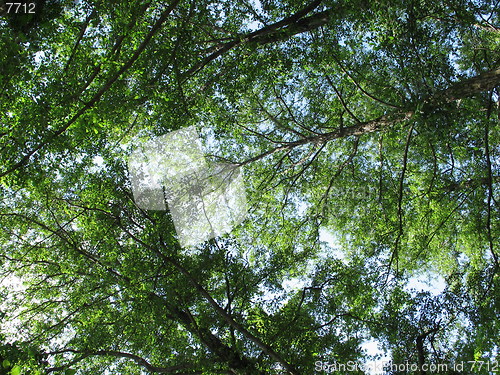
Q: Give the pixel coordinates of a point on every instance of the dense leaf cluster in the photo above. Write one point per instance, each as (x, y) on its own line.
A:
(369, 134)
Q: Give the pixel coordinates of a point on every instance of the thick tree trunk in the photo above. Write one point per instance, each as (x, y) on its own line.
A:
(235, 361)
(421, 349)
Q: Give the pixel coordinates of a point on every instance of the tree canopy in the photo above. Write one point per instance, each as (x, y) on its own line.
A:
(369, 136)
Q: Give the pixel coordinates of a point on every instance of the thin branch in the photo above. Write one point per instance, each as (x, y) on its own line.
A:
(342, 101)
(394, 255)
(100, 93)
(338, 172)
(337, 61)
(113, 353)
(443, 222)
(292, 116)
(490, 195)
(79, 39)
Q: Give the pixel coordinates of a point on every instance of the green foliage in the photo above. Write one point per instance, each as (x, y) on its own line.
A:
(376, 122)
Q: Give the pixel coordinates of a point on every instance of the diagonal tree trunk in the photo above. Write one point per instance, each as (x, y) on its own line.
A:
(295, 24)
(459, 90)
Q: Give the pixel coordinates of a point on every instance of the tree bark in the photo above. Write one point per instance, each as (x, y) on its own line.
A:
(459, 90)
(466, 88)
(278, 31)
(421, 350)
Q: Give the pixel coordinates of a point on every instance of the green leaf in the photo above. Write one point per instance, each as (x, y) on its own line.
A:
(16, 370)
(363, 171)
(70, 371)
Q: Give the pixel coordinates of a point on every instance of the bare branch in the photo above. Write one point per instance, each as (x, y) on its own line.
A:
(267, 34)
(466, 88)
(394, 255)
(113, 353)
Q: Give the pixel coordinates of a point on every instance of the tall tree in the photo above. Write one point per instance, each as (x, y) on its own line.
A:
(376, 122)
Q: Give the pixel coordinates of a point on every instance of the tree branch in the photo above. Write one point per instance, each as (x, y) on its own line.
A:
(264, 347)
(420, 348)
(277, 31)
(490, 194)
(97, 96)
(113, 353)
(394, 256)
(459, 90)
